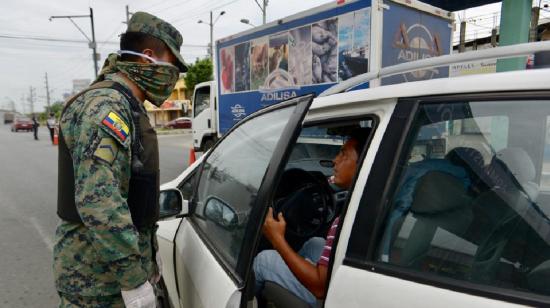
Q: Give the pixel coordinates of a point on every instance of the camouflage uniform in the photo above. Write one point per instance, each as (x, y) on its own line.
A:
(96, 259)
(106, 253)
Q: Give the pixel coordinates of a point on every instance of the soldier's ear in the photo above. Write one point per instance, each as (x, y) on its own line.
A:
(149, 52)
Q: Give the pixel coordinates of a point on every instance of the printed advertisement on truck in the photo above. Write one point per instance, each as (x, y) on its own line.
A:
(311, 51)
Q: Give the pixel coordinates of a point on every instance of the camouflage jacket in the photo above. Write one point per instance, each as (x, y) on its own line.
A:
(106, 253)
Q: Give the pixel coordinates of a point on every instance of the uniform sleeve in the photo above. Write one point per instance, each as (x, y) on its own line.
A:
(101, 160)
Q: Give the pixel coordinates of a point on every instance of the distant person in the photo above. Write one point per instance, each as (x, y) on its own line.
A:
(35, 125)
(51, 123)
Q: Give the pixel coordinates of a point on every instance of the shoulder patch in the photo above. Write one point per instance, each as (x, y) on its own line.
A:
(106, 150)
(115, 125)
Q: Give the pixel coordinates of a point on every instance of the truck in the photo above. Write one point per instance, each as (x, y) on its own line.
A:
(8, 117)
(310, 52)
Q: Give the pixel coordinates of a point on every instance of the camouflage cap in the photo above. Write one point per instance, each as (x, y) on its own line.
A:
(154, 26)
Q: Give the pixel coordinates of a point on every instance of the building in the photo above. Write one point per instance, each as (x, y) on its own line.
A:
(80, 84)
(177, 105)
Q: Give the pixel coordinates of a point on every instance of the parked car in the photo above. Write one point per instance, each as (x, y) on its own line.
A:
(182, 122)
(449, 207)
(21, 123)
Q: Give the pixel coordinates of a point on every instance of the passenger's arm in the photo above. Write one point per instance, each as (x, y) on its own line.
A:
(312, 276)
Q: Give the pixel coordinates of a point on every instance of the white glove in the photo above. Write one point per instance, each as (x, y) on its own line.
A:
(156, 277)
(140, 297)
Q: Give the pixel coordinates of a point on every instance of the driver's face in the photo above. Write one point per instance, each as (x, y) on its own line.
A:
(345, 164)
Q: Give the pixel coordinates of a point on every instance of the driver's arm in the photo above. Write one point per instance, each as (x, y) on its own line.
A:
(312, 276)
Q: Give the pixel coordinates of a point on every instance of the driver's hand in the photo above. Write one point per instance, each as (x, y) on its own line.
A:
(274, 229)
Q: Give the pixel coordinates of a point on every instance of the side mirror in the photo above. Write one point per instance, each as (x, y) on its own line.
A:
(220, 213)
(171, 203)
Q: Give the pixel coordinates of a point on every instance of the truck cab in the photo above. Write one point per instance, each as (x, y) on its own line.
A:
(205, 118)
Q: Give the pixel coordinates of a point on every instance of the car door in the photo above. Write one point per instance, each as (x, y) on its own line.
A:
(215, 243)
(454, 211)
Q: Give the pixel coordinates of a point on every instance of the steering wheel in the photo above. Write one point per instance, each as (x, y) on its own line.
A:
(305, 202)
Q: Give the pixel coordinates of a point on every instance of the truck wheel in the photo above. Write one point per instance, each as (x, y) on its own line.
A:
(208, 144)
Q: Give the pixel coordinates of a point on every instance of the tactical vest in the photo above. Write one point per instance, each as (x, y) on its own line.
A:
(143, 193)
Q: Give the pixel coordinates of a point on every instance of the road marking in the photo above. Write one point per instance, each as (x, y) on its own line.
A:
(43, 234)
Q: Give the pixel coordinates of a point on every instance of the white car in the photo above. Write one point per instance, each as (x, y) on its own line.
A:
(449, 207)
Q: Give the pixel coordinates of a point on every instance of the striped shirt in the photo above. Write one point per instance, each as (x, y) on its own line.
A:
(325, 255)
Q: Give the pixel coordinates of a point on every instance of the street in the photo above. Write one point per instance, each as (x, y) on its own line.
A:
(28, 195)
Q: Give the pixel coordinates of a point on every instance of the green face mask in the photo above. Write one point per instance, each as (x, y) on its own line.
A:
(156, 79)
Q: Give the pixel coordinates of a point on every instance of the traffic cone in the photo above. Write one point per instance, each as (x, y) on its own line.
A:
(55, 137)
(192, 157)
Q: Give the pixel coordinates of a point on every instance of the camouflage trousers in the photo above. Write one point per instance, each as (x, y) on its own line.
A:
(74, 301)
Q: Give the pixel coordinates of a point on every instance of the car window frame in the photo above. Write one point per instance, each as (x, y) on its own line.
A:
(381, 183)
(250, 241)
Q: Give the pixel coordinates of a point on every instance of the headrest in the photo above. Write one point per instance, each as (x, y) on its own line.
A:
(468, 158)
(518, 163)
(437, 192)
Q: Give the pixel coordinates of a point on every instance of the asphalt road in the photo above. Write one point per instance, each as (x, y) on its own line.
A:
(28, 194)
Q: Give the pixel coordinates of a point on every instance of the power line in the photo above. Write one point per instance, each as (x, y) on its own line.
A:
(172, 6)
(47, 39)
(205, 10)
(51, 39)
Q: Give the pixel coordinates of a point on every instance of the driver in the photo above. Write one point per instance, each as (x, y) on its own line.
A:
(304, 273)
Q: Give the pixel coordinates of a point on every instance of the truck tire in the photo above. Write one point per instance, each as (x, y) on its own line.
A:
(207, 145)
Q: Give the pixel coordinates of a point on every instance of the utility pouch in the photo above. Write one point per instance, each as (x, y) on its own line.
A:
(143, 199)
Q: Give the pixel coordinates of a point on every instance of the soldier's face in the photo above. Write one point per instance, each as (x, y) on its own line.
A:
(169, 57)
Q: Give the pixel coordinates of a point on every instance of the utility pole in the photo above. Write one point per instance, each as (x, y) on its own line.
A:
(535, 13)
(462, 45)
(47, 93)
(263, 8)
(264, 12)
(31, 99)
(211, 37)
(91, 42)
(211, 24)
(128, 14)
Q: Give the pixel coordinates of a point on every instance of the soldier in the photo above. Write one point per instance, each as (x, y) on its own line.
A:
(104, 254)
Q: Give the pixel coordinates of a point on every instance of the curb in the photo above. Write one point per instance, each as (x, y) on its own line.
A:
(174, 132)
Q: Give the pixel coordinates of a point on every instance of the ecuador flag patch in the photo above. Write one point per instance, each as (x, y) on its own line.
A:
(115, 123)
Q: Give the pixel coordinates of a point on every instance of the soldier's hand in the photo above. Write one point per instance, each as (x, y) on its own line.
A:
(140, 297)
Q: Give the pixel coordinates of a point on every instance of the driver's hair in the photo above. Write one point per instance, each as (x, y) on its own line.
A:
(361, 135)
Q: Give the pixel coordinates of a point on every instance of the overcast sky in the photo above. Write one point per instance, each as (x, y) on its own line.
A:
(25, 62)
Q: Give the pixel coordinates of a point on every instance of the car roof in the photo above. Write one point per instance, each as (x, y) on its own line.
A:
(533, 79)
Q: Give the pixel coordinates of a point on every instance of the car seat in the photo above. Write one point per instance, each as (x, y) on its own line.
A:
(405, 197)
(510, 229)
(440, 202)
(283, 298)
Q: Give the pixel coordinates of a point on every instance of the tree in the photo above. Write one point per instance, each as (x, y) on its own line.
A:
(55, 108)
(198, 72)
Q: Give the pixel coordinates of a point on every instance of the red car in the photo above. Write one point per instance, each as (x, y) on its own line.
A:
(21, 124)
(182, 122)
